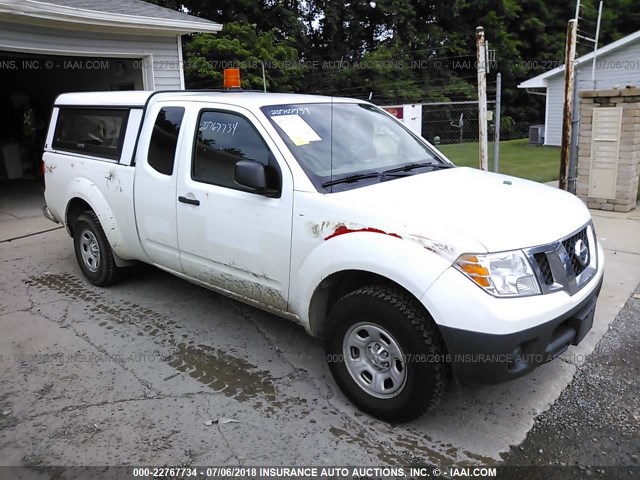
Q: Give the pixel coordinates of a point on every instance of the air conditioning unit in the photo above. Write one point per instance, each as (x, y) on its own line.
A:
(536, 135)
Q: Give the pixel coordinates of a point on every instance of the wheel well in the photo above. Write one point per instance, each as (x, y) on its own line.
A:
(336, 286)
(75, 207)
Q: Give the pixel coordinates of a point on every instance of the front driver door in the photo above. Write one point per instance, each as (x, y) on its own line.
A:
(230, 237)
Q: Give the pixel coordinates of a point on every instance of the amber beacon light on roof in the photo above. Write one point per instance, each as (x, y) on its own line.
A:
(231, 78)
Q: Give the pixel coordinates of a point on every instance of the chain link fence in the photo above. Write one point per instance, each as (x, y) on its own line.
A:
(453, 122)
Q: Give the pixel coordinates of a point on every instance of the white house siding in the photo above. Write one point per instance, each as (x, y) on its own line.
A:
(620, 67)
(160, 53)
(553, 124)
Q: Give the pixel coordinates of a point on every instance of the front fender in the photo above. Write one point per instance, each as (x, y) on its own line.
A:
(404, 261)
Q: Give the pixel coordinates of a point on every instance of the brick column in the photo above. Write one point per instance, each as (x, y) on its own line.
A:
(629, 151)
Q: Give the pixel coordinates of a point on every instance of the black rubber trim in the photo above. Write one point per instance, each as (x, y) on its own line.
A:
(190, 201)
(487, 358)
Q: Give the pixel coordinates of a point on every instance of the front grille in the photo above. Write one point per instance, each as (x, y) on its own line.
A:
(570, 244)
(567, 264)
(545, 268)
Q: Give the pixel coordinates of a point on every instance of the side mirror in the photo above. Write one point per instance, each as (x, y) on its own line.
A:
(252, 175)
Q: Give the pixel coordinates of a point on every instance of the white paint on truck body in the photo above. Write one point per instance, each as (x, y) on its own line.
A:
(275, 252)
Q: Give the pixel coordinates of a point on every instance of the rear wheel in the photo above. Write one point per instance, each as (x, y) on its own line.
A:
(93, 251)
(386, 353)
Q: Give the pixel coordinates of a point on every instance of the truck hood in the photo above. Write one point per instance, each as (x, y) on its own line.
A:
(463, 206)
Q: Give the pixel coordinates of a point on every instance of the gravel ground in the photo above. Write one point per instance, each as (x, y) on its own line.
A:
(596, 421)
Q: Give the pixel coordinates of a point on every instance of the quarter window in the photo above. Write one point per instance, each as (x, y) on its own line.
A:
(224, 138)
(164, 139)
(97, 132)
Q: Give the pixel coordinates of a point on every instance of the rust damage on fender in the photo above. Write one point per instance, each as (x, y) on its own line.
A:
(343, 229)
(434, 246)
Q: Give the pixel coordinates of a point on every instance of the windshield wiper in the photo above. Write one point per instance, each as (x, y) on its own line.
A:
(390, 172)
(413, 166)
(351, 178)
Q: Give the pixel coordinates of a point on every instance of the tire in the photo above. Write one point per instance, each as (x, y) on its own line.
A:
(93, 251)
(406, 381)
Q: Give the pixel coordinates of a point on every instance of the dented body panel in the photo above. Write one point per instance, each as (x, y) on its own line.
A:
(107, 187)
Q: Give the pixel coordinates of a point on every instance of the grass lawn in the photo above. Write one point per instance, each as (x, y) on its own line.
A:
(517, 158)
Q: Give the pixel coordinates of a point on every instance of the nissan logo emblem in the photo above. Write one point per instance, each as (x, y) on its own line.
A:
(581, 252)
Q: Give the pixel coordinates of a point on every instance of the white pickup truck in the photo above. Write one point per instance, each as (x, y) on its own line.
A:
(331, 213)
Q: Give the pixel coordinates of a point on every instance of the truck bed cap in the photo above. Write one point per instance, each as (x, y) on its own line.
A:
(138, 98)
(135, 98)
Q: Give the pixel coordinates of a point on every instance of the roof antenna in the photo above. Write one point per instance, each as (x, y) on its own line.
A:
(264, 79)
(370, 95)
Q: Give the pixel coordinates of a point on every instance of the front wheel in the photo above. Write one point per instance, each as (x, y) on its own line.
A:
(93, 251)
(386, 353)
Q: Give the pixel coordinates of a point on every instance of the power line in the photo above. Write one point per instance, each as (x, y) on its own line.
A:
(352, 66)
(426, 85)
(412, 50)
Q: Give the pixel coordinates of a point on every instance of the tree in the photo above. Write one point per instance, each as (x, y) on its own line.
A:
(281, 17)
(239, 45)
(396, 50)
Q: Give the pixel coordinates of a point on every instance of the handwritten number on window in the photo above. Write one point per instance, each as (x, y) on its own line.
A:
(224, 128)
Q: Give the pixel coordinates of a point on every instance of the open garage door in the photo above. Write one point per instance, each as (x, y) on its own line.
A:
(30, 85)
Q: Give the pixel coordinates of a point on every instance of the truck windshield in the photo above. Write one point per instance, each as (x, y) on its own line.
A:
(347, 145)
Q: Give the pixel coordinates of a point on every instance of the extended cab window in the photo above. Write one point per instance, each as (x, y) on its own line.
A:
(164, 139)
(97, 132)
(222, 139)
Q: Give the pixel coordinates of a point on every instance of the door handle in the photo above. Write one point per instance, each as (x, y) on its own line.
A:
(190, 201)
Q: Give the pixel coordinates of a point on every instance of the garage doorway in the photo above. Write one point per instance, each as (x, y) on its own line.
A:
(31, 84)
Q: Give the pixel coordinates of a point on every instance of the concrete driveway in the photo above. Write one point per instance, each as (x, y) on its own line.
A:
(139, 373)
(21, 204)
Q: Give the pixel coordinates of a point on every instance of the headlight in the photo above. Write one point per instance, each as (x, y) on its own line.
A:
(506, 274)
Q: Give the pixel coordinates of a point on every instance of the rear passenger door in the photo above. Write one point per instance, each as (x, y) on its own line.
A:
(230, 237)
(155, 185)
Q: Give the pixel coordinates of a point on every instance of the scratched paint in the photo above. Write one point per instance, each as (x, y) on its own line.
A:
(329, 230)
(430, 244)
(317, 229)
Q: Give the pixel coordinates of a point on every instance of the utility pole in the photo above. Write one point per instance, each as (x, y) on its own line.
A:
(496, 122)
(595, 47)
(481, 53)
(575, 132)
(567, 117)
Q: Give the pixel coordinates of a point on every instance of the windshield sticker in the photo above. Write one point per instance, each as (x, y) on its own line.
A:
(229, 128)
(299, 131)
(291, 111)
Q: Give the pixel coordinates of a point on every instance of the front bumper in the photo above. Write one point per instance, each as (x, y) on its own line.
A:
(478, 357)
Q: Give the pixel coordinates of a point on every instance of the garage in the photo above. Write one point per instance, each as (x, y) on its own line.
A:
(32, 85)
(48, 48)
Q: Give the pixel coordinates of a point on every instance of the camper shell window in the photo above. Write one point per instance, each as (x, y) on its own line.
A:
(91, 131)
